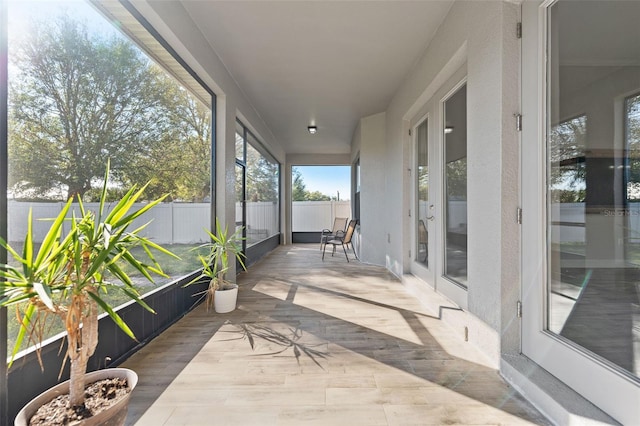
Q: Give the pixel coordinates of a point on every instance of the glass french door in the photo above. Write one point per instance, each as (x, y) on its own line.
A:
(439, 224)
(455, 186)
(581, 198)
(424, 209)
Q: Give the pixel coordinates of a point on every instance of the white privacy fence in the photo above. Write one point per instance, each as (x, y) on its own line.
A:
(184, 223)
(262, 220)
(170, 223)
(569, 221)
(314, 216)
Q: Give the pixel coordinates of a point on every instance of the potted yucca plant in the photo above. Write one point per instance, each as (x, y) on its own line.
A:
(221, 249)
(69, 275)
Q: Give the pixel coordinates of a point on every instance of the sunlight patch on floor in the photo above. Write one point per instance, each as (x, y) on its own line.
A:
(272, 288)
(367, 315)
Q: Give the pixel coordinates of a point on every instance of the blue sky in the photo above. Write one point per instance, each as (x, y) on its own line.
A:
(23, 13)
(328, 180)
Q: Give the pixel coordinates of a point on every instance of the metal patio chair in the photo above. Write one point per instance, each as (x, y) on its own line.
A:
(343, 238)
(339, 225)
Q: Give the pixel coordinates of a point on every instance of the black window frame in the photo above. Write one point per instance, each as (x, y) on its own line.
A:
(253, 255)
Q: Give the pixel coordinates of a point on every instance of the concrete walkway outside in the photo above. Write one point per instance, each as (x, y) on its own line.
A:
(319, 343)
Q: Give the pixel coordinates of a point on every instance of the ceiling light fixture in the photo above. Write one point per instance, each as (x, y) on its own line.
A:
(312, 129)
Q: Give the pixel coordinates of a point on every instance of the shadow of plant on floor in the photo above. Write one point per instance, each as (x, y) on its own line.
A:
(287, 341)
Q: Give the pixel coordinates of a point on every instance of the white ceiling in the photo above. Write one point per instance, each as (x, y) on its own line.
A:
(327, 63)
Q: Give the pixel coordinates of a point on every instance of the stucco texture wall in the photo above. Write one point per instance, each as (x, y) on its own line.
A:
(370, 140)
(479, 30)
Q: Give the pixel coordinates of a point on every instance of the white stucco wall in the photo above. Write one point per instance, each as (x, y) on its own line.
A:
(478, 30)
(510, 241)
(369, 143)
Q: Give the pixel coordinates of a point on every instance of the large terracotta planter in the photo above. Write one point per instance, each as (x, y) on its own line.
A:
(225, 300)
(113, 416)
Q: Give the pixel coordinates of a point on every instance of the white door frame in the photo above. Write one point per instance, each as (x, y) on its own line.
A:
(606, 387)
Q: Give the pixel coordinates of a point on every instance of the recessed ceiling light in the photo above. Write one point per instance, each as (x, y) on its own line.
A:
(312, 129)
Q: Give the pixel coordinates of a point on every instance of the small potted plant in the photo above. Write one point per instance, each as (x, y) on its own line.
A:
(68, 276)
(222, 248)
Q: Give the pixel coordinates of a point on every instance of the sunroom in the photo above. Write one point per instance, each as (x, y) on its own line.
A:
(492, 146)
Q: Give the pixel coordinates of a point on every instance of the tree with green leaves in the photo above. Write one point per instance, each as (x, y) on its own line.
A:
(456, 175)
(299, 189)
(77, 100)
(633, 148)
(179, 161)
(316, 196)
(567, 158)
(262, 177)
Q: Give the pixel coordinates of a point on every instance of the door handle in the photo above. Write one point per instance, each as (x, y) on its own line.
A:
(431, 207)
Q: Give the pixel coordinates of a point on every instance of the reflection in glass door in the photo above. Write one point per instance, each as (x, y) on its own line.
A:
(581, 235)
(424, 210)
(455, 181)
(581, 197)
(594, 187)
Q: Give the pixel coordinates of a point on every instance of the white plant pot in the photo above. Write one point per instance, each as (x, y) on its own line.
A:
(113, 416)
(225, 300)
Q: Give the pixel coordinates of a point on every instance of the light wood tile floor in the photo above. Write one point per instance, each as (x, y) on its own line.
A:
(319, 343)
